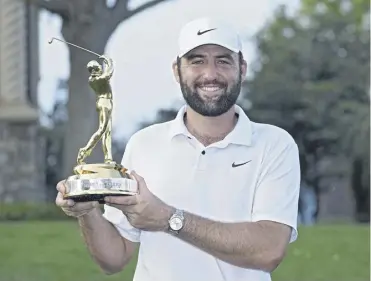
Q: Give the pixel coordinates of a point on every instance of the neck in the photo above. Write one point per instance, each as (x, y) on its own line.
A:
(209, 130)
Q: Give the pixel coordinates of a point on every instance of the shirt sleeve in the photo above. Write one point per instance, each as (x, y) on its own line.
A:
(117, 217)
(277, 194)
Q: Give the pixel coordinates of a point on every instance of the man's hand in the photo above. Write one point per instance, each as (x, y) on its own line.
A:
(144, 211)
(69, 206)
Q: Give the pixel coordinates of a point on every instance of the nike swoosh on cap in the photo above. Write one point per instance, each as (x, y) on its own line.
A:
(202, 32)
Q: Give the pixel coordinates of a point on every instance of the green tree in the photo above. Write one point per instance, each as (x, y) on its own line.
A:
(357, 10)
(312, 79)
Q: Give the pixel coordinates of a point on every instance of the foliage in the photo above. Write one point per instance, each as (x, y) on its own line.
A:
(312, 79)
(356, 9)
(29, 211)
(32, 212)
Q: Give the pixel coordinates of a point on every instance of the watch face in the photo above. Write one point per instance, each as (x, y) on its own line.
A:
(176, 224)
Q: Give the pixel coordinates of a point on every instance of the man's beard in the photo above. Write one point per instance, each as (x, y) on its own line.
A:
(213, 107)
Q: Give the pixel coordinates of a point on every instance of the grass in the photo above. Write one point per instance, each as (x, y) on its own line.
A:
(54, 251)
(328, 253)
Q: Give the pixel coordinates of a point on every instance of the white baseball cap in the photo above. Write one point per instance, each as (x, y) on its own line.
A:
(208, 31)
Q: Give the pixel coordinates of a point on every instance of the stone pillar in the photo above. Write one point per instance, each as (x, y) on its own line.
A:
(21, 169)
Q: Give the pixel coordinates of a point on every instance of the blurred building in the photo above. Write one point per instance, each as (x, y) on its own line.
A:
(21, 157)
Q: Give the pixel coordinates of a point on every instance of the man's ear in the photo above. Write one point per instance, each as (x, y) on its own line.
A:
(243, 70)
(176, 71)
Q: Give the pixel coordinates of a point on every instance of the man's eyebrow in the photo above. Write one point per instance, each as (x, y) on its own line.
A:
(225, 56)
(194, 56)
(199, 56)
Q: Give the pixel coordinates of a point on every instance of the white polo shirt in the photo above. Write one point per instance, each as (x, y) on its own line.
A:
(210, 182)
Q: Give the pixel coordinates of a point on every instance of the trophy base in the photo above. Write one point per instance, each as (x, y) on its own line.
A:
(93, 197)
(93, 182)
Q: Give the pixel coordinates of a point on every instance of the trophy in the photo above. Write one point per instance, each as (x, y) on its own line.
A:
(92, 182)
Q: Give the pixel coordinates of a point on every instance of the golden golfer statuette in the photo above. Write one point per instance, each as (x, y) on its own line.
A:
(92, 182)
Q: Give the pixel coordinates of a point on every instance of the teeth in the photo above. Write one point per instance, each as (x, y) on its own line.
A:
(210, 89)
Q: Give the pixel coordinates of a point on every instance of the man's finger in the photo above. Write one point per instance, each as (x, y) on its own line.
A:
(61, 187)
(122, 200)
(61, 202)
(141, 182)
(84, 206)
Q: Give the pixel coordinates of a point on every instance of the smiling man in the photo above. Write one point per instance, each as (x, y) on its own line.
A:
(218, 193)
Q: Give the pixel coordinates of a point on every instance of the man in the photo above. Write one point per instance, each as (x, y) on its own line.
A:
(218, 193)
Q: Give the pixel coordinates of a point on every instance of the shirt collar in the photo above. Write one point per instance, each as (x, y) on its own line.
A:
(241, 134)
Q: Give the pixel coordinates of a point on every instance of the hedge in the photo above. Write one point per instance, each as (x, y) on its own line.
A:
(31, 211)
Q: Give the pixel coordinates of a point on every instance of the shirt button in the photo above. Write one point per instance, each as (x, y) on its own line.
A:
(203, 152)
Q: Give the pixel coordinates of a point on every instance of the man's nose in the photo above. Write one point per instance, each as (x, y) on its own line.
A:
(210, 71)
